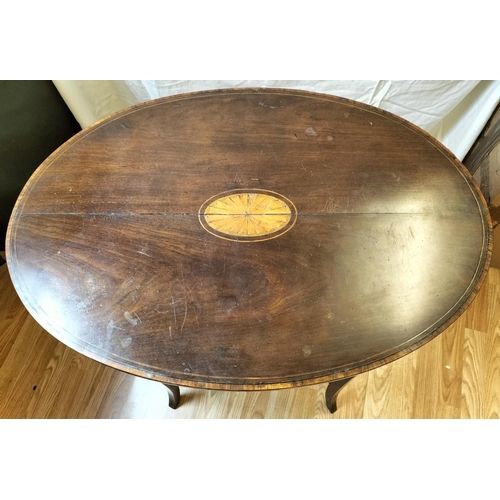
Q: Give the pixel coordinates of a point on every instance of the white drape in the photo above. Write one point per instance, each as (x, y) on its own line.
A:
(453, 111)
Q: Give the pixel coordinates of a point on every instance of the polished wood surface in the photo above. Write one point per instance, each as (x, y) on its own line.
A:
(389, 245)
(454, 376)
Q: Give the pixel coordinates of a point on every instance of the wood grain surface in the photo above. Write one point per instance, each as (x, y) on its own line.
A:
(456, 375)
(390, 243)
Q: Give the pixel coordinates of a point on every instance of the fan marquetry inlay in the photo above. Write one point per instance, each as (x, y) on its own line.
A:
(247, 215)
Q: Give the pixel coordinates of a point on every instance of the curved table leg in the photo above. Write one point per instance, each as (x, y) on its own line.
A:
(174, 395)
(332, 391)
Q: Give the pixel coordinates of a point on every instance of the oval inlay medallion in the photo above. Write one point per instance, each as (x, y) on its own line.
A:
(247, 215)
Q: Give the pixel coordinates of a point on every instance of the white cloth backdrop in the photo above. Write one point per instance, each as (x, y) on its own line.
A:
(453, 111)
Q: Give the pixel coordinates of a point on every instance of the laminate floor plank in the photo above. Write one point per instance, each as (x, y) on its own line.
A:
(481, 375)
(438, 375)
(391, 389)
(352, 398)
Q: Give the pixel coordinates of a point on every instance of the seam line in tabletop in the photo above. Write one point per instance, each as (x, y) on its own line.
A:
(196, 214)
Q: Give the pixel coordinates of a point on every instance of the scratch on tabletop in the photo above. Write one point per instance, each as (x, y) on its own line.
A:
(173, 306)
(185, 313)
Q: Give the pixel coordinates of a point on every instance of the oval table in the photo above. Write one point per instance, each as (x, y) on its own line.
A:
(249, 239)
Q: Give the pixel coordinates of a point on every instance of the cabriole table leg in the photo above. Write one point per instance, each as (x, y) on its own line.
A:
(174, 395)
(332, 391)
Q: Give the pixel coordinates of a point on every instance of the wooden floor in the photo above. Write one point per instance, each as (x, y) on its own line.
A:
(457, 375)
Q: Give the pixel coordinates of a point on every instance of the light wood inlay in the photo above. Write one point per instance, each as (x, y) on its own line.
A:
(255, 215)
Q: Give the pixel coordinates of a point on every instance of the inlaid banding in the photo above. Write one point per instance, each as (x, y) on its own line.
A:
(247, 215)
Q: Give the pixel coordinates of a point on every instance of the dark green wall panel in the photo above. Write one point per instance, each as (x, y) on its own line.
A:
(34, 122)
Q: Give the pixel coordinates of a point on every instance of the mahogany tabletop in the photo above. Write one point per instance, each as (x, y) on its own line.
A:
(249, 239)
